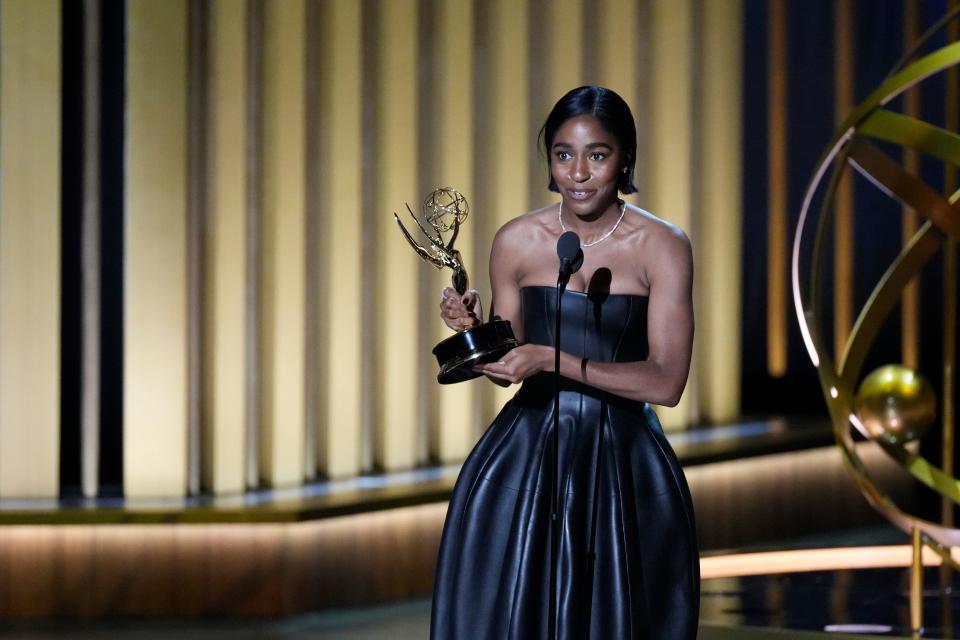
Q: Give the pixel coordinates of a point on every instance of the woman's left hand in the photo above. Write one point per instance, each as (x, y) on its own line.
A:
(520, 363)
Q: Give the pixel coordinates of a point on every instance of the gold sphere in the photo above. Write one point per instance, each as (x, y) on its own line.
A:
(445, 208)
(896, 404)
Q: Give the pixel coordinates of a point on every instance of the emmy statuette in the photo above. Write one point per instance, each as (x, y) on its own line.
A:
(444, 210)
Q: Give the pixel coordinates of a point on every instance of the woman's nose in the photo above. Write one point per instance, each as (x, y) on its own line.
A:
(580, 172)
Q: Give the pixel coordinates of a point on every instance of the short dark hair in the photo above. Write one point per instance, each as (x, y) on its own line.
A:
(612, 112)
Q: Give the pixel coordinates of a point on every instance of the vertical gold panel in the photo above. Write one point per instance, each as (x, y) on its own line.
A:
(718, 211)
(283, 270)
(910, 301)
(564, 41)
(952, 123)
(777, 188)
(341, 234)
(314, 380)
(92, 294)
(253, 347)
(396, 307)
(619, 65)
(556, 51)
(948, 367)
(155, 318)
(225, 308)
(618, 55)
(29, 248)
(843, 247)
(671, 108)
(198, 15)
(448, 160)
(503, 132)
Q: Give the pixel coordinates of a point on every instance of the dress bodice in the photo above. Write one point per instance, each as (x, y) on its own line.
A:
(601, 327)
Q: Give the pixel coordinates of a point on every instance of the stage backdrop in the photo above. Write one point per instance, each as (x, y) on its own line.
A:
(201, 284)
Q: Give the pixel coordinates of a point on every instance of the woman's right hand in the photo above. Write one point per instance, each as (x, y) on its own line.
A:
(460, 312)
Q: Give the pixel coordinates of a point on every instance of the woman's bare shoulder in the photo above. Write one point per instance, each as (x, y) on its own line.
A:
(530, 227)
(655, 233)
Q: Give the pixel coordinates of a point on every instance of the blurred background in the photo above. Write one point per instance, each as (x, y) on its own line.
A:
(208, 317)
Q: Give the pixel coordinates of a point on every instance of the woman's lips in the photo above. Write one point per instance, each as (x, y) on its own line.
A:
(579, 195)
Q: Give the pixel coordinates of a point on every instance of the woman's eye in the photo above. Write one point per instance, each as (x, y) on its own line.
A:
(563, 155)
(597, 156)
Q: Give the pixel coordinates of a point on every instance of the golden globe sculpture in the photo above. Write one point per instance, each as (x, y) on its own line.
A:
(896, 404)
(854, 147)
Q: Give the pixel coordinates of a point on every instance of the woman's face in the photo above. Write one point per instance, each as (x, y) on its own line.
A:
(585, 162)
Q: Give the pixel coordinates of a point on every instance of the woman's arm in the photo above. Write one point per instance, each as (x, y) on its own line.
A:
(464, 312)
(660, 378)
(505, 255)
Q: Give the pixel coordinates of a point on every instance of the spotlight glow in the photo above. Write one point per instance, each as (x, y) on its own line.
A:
(858, 628)
(802, 560)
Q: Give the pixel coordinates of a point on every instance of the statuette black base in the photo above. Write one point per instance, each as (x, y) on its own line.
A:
(461, 352)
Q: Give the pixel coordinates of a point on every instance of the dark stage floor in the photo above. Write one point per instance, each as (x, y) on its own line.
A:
(852, 604)
(871, 602)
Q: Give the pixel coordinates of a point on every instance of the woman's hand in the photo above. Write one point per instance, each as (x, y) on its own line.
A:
(460, 312)
(520, 363)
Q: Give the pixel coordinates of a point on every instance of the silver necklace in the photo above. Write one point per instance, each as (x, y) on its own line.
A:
(623, 210)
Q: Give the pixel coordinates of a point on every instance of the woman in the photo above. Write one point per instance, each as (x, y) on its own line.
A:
(626, 342)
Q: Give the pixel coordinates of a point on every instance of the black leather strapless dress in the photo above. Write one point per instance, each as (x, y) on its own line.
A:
(493, 577)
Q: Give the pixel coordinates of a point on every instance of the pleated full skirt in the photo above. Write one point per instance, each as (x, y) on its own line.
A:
(493, 578)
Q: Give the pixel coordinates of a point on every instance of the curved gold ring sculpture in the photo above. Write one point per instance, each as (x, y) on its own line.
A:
(852, 147)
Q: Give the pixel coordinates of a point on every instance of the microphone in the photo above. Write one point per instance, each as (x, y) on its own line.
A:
(570, 254)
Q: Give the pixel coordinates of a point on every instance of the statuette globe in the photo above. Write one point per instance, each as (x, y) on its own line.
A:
(896, 404)
(445, 209)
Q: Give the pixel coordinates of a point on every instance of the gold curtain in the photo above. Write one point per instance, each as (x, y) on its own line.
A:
(306, 123)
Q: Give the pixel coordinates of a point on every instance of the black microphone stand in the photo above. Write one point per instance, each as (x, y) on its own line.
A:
(571, 258)
(555, 459)
(565, 271)
(592, 544)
